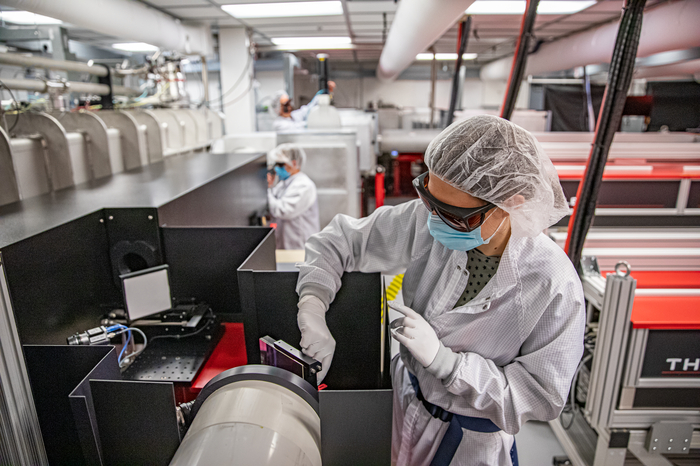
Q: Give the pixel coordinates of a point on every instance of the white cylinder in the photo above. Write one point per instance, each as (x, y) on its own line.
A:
(125, 19)
(41, 62)
(672, 26)
(252, 423)
(417, 24)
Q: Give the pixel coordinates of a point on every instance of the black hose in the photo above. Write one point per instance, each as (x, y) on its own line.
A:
(609, 117)
(466, 28)
(517, 70)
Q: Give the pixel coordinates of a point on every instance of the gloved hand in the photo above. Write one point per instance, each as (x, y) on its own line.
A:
(415, 333)
(316, 339)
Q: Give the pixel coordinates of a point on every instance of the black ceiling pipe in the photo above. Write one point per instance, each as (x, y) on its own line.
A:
(464, 28)
(517, 70)
(609, 117)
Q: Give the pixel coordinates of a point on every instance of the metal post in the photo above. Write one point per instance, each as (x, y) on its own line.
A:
(519, 59)
(464, 29)
(433, 80)
(589, 100)
(619, 79)
(205, 79)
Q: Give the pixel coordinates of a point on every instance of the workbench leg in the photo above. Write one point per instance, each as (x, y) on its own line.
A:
(606, 456)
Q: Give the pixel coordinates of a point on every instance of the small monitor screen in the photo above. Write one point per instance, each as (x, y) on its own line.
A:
(146, 292)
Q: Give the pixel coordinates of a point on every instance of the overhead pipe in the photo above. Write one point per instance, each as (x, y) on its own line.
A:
(464, 31)
(670, 26)
(37, 85)
(27, 61)
(416, 26)
(519, 59)
(685, 68)
(125, 19)
(609, 117)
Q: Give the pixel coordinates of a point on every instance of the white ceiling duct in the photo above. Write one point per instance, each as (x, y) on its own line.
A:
(690, 68)
(416, 26)
(124, 19)
(671, 26)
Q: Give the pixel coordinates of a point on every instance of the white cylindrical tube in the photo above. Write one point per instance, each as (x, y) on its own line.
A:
(42, 62)
(671, 26)
(252, 422)
(417, 24)
(126, 19)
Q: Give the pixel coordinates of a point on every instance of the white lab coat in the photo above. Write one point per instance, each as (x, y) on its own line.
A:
(293, 204)
(519, 340)
(297, 120)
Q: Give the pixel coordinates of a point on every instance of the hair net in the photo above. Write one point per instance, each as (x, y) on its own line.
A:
(277, 101)
(495, 160)
(287, 153)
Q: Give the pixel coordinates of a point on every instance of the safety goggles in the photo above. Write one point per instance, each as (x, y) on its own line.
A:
(458, 218)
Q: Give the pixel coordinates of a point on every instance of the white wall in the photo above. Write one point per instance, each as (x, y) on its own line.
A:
(415, 93)
(270, 82)
(239, 106)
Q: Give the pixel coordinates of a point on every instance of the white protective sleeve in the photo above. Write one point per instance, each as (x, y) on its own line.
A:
(382, 242)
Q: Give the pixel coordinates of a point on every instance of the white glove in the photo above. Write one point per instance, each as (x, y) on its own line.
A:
(316, 339)
(415, 333)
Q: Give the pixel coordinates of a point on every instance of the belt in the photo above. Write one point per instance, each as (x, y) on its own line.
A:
(453, 436)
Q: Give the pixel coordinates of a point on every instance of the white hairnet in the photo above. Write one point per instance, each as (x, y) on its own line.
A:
(276, 104)
(287, 153)
(495, 160)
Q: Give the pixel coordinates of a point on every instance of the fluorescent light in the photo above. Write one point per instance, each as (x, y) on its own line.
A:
(287, 9)
(515, 7)
(312, 43)
(135, 47)
(445, 56)
(27, 17)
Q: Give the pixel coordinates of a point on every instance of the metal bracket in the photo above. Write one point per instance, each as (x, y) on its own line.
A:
(669, 438)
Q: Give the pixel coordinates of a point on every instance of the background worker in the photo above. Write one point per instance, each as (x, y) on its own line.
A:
(291, 197)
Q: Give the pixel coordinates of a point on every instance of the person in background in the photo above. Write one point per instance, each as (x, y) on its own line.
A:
(288, 119)
(292, 199)
(331, 88)
(493, 311)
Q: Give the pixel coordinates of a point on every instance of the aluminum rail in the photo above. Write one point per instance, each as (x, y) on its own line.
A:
(63, 65)
(68, 86)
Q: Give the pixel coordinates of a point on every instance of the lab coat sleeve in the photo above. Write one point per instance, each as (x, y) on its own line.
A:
(302, 112)
(534, 386)
(296, 200)
(383, 242)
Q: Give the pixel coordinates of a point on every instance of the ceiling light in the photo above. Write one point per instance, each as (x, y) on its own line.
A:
(312, 43)
(27, 17)
(287, 9)
(445, 56)
(135, 47)
(514, 7)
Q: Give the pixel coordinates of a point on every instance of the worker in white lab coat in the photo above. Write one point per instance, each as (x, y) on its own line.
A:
(291, 197)
(288, 118)
(493, 310)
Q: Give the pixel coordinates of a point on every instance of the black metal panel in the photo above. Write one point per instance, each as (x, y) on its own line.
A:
(150, 186)
(356, 427)
(134, 240)
(354, 319)
(639, 221)
(672, 354)
(694, 195)
(667, 398)
(54, 372)
(137, 422)
(226, 201)
(84, 410)
(58, 279)
(203, 263)
(631, 193)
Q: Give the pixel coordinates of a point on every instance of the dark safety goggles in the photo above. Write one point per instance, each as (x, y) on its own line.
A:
(458, 218)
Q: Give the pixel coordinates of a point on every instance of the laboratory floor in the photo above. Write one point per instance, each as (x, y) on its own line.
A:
(537, 444)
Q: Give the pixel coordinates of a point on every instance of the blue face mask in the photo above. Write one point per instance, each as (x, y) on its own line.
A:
(456, 240)
(282, 172)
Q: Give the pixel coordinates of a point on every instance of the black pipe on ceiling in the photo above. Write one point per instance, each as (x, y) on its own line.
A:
(517, 70)
(464, 29)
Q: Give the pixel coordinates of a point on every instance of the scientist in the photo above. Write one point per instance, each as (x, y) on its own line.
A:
(288, 119)
(493, 310)
(292, 201)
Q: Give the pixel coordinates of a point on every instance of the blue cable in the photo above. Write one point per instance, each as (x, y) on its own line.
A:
(128, 338)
